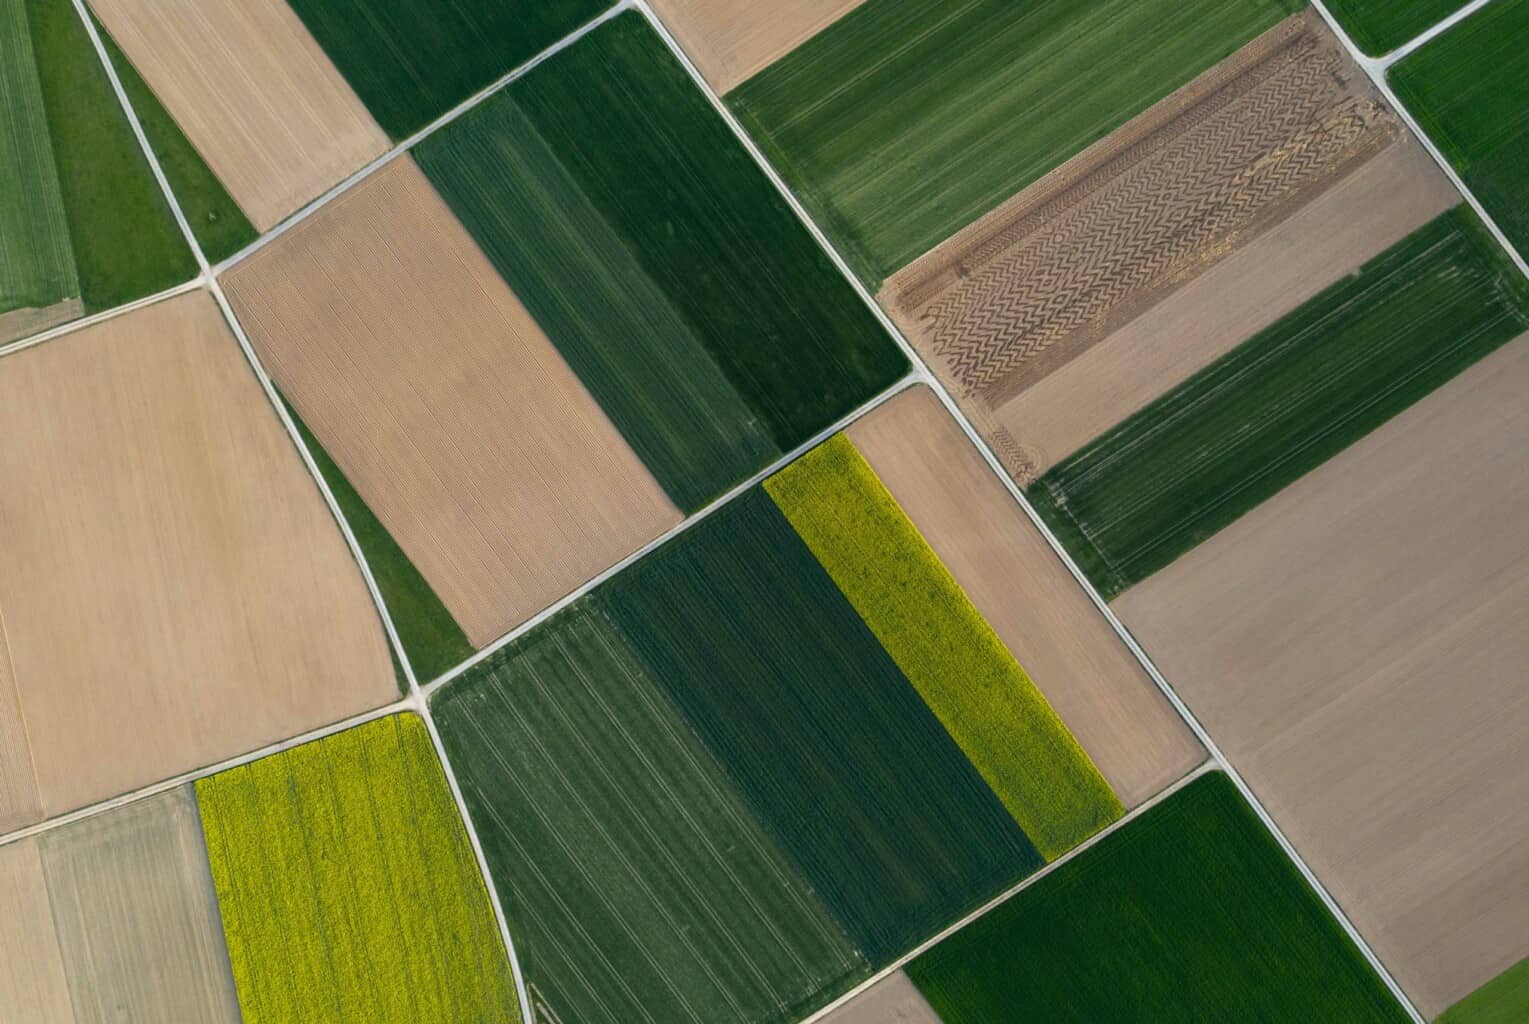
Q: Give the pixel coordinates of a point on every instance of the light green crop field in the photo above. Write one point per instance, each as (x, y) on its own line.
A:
(1503, 1000)
(909, 119)
(969, 679)
(348, 888)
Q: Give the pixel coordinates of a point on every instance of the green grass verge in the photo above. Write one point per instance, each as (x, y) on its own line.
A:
(426, 628)
(1190, 913)
(220, 227)
(36, 256)
(1503, 1000)
(629, 344)
(1284, 402)
(966, 675)
(412, 60)
(850, 771)
(348, 888)
(636, 882)
(1380, 26)
(708, 229)
(1469, 90)
(126, 242)
(909, 119)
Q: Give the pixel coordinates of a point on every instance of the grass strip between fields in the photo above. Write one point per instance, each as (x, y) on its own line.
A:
(1285, 401)
(1380, 26)
(1503, 1000)
(1190, 913)
(1469, 90)
(429, 634)
(966, 675)
(348, 888)
(908, 119)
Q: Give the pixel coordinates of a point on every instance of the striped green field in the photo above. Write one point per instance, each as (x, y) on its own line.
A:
(1285, 401)
(348, 888)
(637, 883)
(909, 119)
(910, 601)
(1380, 26)
(660, 260)
(1190, 913)
(1503, 1000)
(1469, 90)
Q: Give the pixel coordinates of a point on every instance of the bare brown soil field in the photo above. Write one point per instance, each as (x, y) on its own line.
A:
(892, 1000)
(23, 323)
(1357, 644)
(444, 403)
(173, 588)
(19, 802)
(1025, 592)
(137, 917)
(32, 980)
(1136, 217)
(730, 40)
(254, 94)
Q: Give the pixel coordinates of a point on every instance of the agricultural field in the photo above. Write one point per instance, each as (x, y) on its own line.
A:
(732, 40)
(675, 848)
(163, 541)
(1467, 90)
(1191, 912)
(1285, 401)
(348, 888)
(871, 141)
(892, 1000)
(1380, 26)
(1503, 1000)
(1365, 673)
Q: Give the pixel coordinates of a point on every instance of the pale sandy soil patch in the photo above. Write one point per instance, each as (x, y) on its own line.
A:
(174, 590)
(731, 40)
(1021, 587)
(444, 403)
(1357, 645)
(19, 801)
(254, 94)
(137, 917)
(892, 1000)
(32, 985)
(23, 323)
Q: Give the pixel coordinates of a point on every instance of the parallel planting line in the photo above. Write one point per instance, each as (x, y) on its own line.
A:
(97, 318)
(1429, 35)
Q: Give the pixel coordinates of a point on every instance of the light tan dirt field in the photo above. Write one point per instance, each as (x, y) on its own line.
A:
(23, 323)
(1357, 645)
(137, 917)
(173, 588)
(1019, 584)
(892, 1000)
(1131, 221)
(731, 40)
(444, 404)
(19, 802)
(32, 985)
(253, 92)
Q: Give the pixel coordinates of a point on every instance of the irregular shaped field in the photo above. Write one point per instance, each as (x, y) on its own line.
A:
(172, 587)
(1285, 401)
(892, 158)
(348, 887)
(1191, 912)
(412, 60)
(1380, 26)
(731, 40)
(893, 1000)
(1503, 1000)
(1468, 91)
(1365, 672)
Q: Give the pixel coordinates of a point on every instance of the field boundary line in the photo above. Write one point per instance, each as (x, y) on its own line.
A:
(398, 149)
(922, 370)
(1428, 35)
(59, 330)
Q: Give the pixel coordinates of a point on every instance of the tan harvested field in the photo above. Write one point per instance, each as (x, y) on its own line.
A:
(33, 989)
(445, 405)
(892, 1000)
(1134, 219)
(731, 40)
(23, 323)
(253, 92)
(1357, 646)
(173, 589)
(1019, 584)
(137, 917)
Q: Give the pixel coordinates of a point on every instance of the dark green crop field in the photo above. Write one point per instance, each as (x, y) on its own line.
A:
(1469, 90)
(852, 774)
(637, 884)
(909, 119)
(412, 60)
(1285, 401)
(1503, 1000)
(1380, 26)
(1190, 913)
(126, 242)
